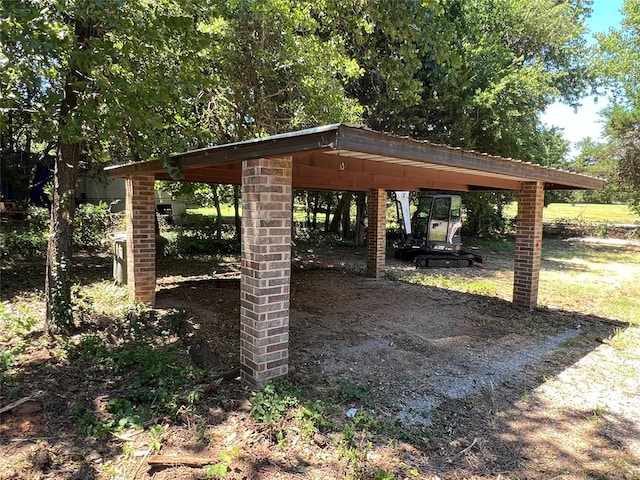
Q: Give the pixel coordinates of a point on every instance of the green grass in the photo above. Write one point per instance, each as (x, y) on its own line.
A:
(477, 286)
(226, 210)
(228, 213)
(595, 279)
(583, 213)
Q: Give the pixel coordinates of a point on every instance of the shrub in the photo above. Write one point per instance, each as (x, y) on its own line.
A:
(91, 225)
(28, 237)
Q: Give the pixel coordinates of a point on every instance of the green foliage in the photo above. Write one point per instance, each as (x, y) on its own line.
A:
(158, 380)
(349, 392)
(619, 57)
(194, 243)
(196, 234)
(270, 405)
(156, 433)
(220, 470)
(382, 474)
(15, 319)
(26, 238)
(92, 222)
(9, 357)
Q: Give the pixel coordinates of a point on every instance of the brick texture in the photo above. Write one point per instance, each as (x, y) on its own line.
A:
(528, 245)
(376, 233)
(141, 248)
(266, 269)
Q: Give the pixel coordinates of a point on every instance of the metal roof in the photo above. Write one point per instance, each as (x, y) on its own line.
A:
(353, 157)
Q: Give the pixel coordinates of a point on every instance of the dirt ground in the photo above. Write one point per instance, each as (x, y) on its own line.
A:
(492, 391)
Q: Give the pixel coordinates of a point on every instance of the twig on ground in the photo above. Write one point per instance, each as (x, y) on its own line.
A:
(17, 403)
(463, 451)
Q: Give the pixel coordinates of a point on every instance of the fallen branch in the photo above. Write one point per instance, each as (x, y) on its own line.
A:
(213, 386)
(230, 375)
(17, 403)
(184, 460)
(135, 472)
(462, 452)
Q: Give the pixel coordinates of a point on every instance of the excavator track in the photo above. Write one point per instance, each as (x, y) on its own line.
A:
(447, 260)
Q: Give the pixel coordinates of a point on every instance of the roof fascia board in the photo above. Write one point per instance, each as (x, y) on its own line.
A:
(277, 145)
(369, 141)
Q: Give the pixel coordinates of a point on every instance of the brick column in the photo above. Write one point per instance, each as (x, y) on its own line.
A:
(141, 246)
(376, 232)
(266, 269)
(528, 245)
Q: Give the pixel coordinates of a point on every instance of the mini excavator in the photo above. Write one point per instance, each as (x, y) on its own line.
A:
(431, 236)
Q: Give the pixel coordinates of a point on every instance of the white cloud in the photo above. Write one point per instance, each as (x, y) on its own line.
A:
(577, 124)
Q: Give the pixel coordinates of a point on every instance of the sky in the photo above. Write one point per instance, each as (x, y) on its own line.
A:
(585, 122)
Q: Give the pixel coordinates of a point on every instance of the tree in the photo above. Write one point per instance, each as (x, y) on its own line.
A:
(109, 79)
(598, 160)
(620, 56)
(130, 80)
(278, 72)
(513, 59)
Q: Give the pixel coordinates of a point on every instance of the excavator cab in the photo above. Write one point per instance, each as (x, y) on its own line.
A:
(432, 236)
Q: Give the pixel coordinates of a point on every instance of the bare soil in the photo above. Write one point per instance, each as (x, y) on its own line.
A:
(475, 387)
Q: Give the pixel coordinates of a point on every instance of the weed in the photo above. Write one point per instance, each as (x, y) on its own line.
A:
(86, 422)
(311, 419)
(392, 275)
(271, 404)
(16, 319)
(219, 470)
(623, 339)
(156, 433)
(410, 471)
(156, 378)
(109, 470)
(382, 474)
(348, 391)
(9, 356)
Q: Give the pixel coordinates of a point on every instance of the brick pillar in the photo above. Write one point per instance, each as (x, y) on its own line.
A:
(376, 232)
(528, 245)
(266, 269)
(141, 234)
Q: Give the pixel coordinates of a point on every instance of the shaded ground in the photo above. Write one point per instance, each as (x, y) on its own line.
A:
(470, 386)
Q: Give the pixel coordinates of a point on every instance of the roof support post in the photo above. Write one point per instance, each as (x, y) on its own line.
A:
(376, 232)
(528, 245)
(266, 268)
(141, 238)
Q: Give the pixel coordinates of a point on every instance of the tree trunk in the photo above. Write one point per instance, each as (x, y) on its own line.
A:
(346, 216)
(328, 212)
(307, 206)
(334, 227)
(216, 204)
(361, 213)
(59, 308)
(237, 195)
(341, 218)
(316, 206)
(59, 311)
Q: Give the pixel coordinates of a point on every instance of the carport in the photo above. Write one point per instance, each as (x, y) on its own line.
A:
(334, 157)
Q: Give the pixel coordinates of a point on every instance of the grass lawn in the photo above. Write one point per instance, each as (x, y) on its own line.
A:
(228, 213)
(620, 214)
